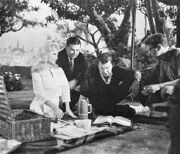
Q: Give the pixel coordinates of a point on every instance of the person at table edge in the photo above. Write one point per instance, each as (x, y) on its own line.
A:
(72, 61)
(106, 85)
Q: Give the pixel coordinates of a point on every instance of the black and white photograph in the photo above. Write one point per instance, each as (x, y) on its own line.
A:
(90, 76)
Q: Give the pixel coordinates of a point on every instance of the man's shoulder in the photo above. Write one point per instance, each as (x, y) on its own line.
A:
(169, 54)
(118, 69)
(62, 52)
(81, 56)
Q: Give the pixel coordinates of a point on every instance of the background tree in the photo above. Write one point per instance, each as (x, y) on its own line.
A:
(161, 16)
(98, 12)
(177, 4)
(85, 31)
(11, 15)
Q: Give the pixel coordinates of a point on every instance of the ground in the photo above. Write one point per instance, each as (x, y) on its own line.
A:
(146, 139)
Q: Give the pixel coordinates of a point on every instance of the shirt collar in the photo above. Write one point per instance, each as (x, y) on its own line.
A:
(106, 81)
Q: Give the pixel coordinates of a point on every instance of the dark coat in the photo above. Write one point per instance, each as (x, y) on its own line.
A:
(174, 120)
(79, 66)
(104, 97)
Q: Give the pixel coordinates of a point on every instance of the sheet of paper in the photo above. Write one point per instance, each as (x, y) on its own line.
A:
(71, 131)
(103, 119)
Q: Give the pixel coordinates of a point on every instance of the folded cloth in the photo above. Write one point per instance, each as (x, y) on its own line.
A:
(125, 111)
(137, 106)
(141, 110)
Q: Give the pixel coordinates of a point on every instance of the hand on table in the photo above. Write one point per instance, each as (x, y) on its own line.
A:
(134, 89)
(69, 112)
(58, 113)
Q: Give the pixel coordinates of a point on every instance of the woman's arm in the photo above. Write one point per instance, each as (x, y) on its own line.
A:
(58, 113)
(40, 93)
(65, 97)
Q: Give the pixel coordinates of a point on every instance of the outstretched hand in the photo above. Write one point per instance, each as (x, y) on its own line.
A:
(72, 84)
(70, 113)
(150, 89)
(134, 89)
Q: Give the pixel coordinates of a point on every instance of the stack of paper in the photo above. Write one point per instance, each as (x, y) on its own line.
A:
(72, 131)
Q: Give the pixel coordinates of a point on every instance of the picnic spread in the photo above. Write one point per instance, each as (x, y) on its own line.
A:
(23, 131)
(31, 131)
(66, 135)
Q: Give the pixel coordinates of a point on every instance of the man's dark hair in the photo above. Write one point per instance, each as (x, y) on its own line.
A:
(105, 57)
(73, 40)
(155, 39)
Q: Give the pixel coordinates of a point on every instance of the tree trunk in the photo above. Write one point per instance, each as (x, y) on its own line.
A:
(170, 2)
(158, 21)
(121, 36)
(178, 27)
(150, 16)
(133, 33)
(101, 25)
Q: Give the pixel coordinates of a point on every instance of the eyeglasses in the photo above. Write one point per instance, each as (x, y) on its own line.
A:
(154, 48)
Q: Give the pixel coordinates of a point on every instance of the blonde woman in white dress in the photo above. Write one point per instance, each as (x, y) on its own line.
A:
(50, 84)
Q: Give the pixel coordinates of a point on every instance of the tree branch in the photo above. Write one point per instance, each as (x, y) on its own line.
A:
(150, 16)
(158, 21)
(170, 2)
(94, 41)
(15, 30)
(85, 40)
(102, 26)
(95, 32)
(99, 39)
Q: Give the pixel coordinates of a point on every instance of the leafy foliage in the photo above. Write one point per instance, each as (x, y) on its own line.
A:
(11, 15)
(170, 2)
(78, 9)
(97, 13)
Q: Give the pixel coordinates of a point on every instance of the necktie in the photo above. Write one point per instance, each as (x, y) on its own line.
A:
(71, 64)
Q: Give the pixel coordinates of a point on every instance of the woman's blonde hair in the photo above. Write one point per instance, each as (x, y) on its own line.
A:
(41, 59)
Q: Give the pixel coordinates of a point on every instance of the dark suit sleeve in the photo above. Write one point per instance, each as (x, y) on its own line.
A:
(80, 74)
(178, 64)
(84, 89)
(126, 75)
(58, 61)
(151, 76)
(87, 85)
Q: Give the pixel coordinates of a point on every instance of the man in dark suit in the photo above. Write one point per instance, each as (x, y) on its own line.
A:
(106, 85)
(72, 61)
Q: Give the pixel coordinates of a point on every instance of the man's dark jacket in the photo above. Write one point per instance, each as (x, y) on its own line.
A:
(104, 97)
(79, 66)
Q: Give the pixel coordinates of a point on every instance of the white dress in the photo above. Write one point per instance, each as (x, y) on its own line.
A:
(50, 85)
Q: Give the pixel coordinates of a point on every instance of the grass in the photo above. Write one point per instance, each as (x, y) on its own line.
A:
(21, 99)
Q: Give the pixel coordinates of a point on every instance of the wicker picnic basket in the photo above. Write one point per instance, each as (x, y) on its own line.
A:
(22, 125)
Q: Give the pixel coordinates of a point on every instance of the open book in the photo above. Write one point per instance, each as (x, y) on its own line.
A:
(110, 120)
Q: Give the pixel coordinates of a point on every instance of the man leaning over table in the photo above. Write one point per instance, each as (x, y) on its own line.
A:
(167, 72)
(106, 85)
(72, 61)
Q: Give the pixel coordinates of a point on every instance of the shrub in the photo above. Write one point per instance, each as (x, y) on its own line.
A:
(13, 82)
